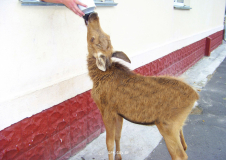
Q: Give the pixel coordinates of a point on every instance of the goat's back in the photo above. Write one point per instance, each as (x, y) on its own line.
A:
(141, 99)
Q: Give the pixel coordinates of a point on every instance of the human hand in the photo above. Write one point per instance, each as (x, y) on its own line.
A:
(73, 5)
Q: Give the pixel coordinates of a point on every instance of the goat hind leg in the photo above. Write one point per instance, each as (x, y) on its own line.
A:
(183, 140)
(119, 123)
(173, 143)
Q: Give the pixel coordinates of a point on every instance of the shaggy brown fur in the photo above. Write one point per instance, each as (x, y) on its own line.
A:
(120, 93)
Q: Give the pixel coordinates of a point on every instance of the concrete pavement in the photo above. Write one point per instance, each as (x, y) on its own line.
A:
(203, 133)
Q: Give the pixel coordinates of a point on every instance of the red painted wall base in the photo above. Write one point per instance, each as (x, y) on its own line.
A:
(63, 130)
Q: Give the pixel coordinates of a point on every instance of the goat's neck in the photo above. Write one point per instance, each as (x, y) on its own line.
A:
(94, 72)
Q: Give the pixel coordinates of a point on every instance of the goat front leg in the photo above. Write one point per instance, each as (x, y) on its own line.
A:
(119, 123)
(110, 124)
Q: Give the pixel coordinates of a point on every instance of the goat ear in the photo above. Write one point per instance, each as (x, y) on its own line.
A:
(102, 62)
(121, 55)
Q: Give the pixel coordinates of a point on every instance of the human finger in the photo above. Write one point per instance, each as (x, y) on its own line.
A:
(78, 10)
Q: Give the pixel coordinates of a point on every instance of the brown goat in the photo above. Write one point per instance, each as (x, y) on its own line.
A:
(120, 93)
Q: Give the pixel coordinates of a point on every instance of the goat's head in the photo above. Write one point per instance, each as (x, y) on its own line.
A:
(99, 44)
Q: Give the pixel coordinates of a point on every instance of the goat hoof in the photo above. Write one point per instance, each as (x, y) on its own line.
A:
(185, 147)
(118, 157)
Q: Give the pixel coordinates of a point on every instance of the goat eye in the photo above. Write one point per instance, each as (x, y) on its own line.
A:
(92, 39)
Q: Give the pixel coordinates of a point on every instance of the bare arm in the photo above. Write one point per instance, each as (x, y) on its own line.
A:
(71, 4)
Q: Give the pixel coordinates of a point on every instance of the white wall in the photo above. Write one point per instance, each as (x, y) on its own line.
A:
(43, 48)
